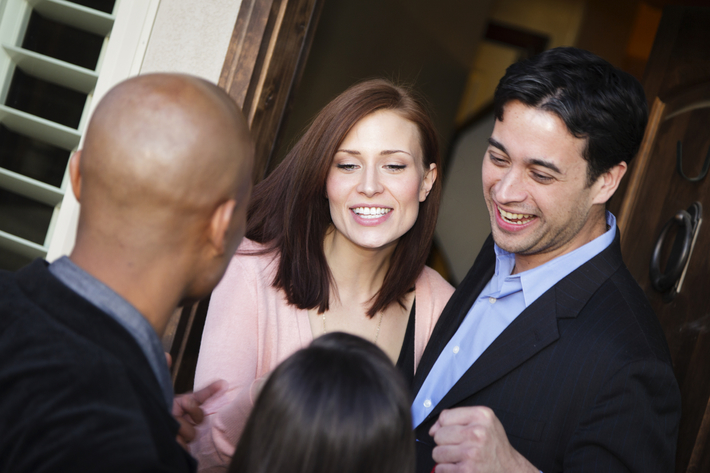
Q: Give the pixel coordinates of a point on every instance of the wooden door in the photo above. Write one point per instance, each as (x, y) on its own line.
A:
(677, 84)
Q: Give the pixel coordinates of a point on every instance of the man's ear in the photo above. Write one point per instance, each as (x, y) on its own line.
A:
(608, 182)
(220, 224)
(75, 174)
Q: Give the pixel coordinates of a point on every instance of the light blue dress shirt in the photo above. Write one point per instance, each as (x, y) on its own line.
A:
(122, 312)
(500, 302)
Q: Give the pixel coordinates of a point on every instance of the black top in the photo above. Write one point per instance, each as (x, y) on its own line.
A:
(405, 362)
(78, 394)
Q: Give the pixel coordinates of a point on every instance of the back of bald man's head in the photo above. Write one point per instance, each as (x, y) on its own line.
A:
(161, 152)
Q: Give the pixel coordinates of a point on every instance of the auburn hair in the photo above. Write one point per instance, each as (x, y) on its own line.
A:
(289, 212)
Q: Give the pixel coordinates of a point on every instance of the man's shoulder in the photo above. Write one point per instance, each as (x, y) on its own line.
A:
(74, 404)
(41, 346)
(619, 316)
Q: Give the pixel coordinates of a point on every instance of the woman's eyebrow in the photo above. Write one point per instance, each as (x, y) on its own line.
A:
(394, 151)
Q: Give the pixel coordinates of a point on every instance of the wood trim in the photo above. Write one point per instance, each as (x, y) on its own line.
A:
(186, 345)
(261, 70)
(638, 173)
(264, 65)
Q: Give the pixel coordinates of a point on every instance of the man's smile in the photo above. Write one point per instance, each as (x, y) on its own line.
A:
(515, 219)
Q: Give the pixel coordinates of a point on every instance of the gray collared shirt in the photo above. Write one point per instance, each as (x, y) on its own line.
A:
(123, 312)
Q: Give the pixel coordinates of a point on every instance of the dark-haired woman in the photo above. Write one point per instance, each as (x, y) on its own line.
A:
(337, 240)
(337, 406)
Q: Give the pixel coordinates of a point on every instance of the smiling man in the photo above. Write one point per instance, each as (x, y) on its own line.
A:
(548, 356)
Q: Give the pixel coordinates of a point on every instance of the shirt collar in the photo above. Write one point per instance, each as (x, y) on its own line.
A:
(122, 312)
(538, 280)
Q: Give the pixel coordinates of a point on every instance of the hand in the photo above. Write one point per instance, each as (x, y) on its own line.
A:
(472, 439)
(187, 410)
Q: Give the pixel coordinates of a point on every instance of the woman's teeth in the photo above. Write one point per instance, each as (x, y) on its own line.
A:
(516, 219)
(371, 212)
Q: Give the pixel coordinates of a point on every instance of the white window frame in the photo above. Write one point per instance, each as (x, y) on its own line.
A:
(128, 30)
(124, 57)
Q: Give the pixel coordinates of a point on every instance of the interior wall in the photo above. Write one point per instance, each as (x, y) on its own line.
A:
(427, 44)
(191, 39)
(558, 19)
(463, 219)
(616, 18)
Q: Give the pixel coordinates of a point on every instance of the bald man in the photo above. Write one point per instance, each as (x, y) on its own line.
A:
(163, 181)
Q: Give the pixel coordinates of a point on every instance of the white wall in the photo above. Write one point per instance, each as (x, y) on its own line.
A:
(191, 37)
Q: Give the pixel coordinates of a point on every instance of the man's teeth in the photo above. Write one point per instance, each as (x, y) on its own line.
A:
(517, 219)
(371, 212)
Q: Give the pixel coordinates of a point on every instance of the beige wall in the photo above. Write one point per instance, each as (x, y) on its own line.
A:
(191, 36)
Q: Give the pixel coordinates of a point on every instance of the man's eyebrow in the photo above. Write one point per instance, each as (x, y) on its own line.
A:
(496, 144)
(536, 161)
(545, 164)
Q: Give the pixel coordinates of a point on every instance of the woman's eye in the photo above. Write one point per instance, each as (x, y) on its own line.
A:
(395, 167)
(346, 167)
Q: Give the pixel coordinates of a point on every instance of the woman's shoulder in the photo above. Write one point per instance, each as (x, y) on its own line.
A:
(254, 254)
(431, 279)
(251, 247)
(251, 261)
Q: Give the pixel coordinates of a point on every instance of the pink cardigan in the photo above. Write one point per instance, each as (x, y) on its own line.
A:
(251, 328)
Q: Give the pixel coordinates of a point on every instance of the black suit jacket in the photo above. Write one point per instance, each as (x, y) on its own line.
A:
(77, 393)
(581, 380)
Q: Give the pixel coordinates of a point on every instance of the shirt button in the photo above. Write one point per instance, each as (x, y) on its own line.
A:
(456, 350)
(492, 300)
(427, 403)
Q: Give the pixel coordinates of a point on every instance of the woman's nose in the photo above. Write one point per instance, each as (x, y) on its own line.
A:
(370, 183)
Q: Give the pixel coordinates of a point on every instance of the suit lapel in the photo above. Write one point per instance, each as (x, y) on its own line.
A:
(455, 310)
(533, 330)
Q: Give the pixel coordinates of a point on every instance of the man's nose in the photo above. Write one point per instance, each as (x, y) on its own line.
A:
(510, 188)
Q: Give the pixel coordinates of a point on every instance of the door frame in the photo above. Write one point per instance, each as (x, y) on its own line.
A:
(261, 71)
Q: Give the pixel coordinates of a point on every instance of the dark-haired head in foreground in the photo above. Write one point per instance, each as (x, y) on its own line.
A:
(337, 406)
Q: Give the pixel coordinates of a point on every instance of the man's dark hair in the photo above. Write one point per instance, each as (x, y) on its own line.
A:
(596, 101)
